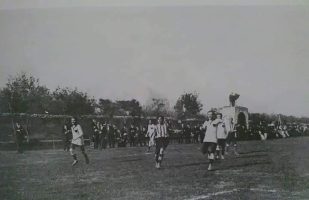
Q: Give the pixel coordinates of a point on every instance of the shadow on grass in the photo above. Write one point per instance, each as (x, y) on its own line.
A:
(257, 151)
(242, 165)
(187, 165)
(131, 160)
(252, 156)
(219, 168)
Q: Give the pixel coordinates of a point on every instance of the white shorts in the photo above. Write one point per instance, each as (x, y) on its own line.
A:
(151, 142)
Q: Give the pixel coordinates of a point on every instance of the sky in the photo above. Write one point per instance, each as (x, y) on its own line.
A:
(143, 50)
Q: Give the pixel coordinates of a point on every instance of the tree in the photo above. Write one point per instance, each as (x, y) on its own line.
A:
(73, 102)
(24, 94)
(131, 107)
(108, 107)
(188, 105)
(157, 107)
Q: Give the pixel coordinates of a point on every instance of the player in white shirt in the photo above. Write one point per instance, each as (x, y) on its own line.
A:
(221, 136)
(77, 141)
(161, 138)
(210, 139)
(151, 135)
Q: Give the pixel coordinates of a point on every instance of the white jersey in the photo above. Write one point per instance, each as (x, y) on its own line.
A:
(211, 131)
(151, 134)
(151, 130)
(161, 131)
(229, 124)
(221, 130)
(77, 135)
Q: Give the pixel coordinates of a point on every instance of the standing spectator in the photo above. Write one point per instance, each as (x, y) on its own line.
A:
(20, 137)
(102, 136)
(285, 131)
(132, 132)
(201, 134)
(144, 133)
(232, 139)
(187, 134)
(140, 136)
(95, 136)
(67, 136)
(181, 134)
(196, 133)
(123, 137)
(111, 135)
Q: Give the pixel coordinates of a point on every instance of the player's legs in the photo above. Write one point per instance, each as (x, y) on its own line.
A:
(149, 145)
(217, 152)
(211, 154)
(82, 148)
(164, 145)
(160, 147)
(234, 144)
(75, 161)
(157, 152)
(228, 142)
(222, 145)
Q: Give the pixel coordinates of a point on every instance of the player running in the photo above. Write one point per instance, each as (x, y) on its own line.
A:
(221, 136)
(161, 139)
(210, 139)
(150, 135)
(77, 141)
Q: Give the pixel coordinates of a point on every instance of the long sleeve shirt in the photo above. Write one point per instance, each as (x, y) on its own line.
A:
(77, 135)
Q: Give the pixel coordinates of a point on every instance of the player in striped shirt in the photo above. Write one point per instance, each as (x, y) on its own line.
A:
(161, 138)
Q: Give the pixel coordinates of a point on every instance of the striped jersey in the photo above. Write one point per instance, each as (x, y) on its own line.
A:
(161, 130)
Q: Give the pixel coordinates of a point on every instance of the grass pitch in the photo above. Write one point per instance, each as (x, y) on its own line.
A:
(275, 169)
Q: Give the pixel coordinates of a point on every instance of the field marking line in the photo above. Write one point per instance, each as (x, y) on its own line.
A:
(263, 190)
(213, 194)
(230, 191)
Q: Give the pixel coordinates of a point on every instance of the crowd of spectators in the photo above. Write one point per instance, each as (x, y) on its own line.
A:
(108, 135)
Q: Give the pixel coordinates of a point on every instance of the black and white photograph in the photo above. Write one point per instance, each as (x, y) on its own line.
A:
(154, 99)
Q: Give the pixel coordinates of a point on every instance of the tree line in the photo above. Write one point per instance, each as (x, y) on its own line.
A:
(23, 93)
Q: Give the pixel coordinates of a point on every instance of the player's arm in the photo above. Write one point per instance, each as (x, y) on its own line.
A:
(204, 127)
(224, 128)
(147, 133)
(167, 131)
(155, 132)
(80, 131)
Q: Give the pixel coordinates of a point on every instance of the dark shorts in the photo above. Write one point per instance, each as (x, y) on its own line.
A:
(161, 142)
(82, 147)
(231, 138)
(221, 142)
(208, 147)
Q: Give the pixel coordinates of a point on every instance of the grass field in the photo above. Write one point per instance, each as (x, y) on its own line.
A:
(276, 169)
